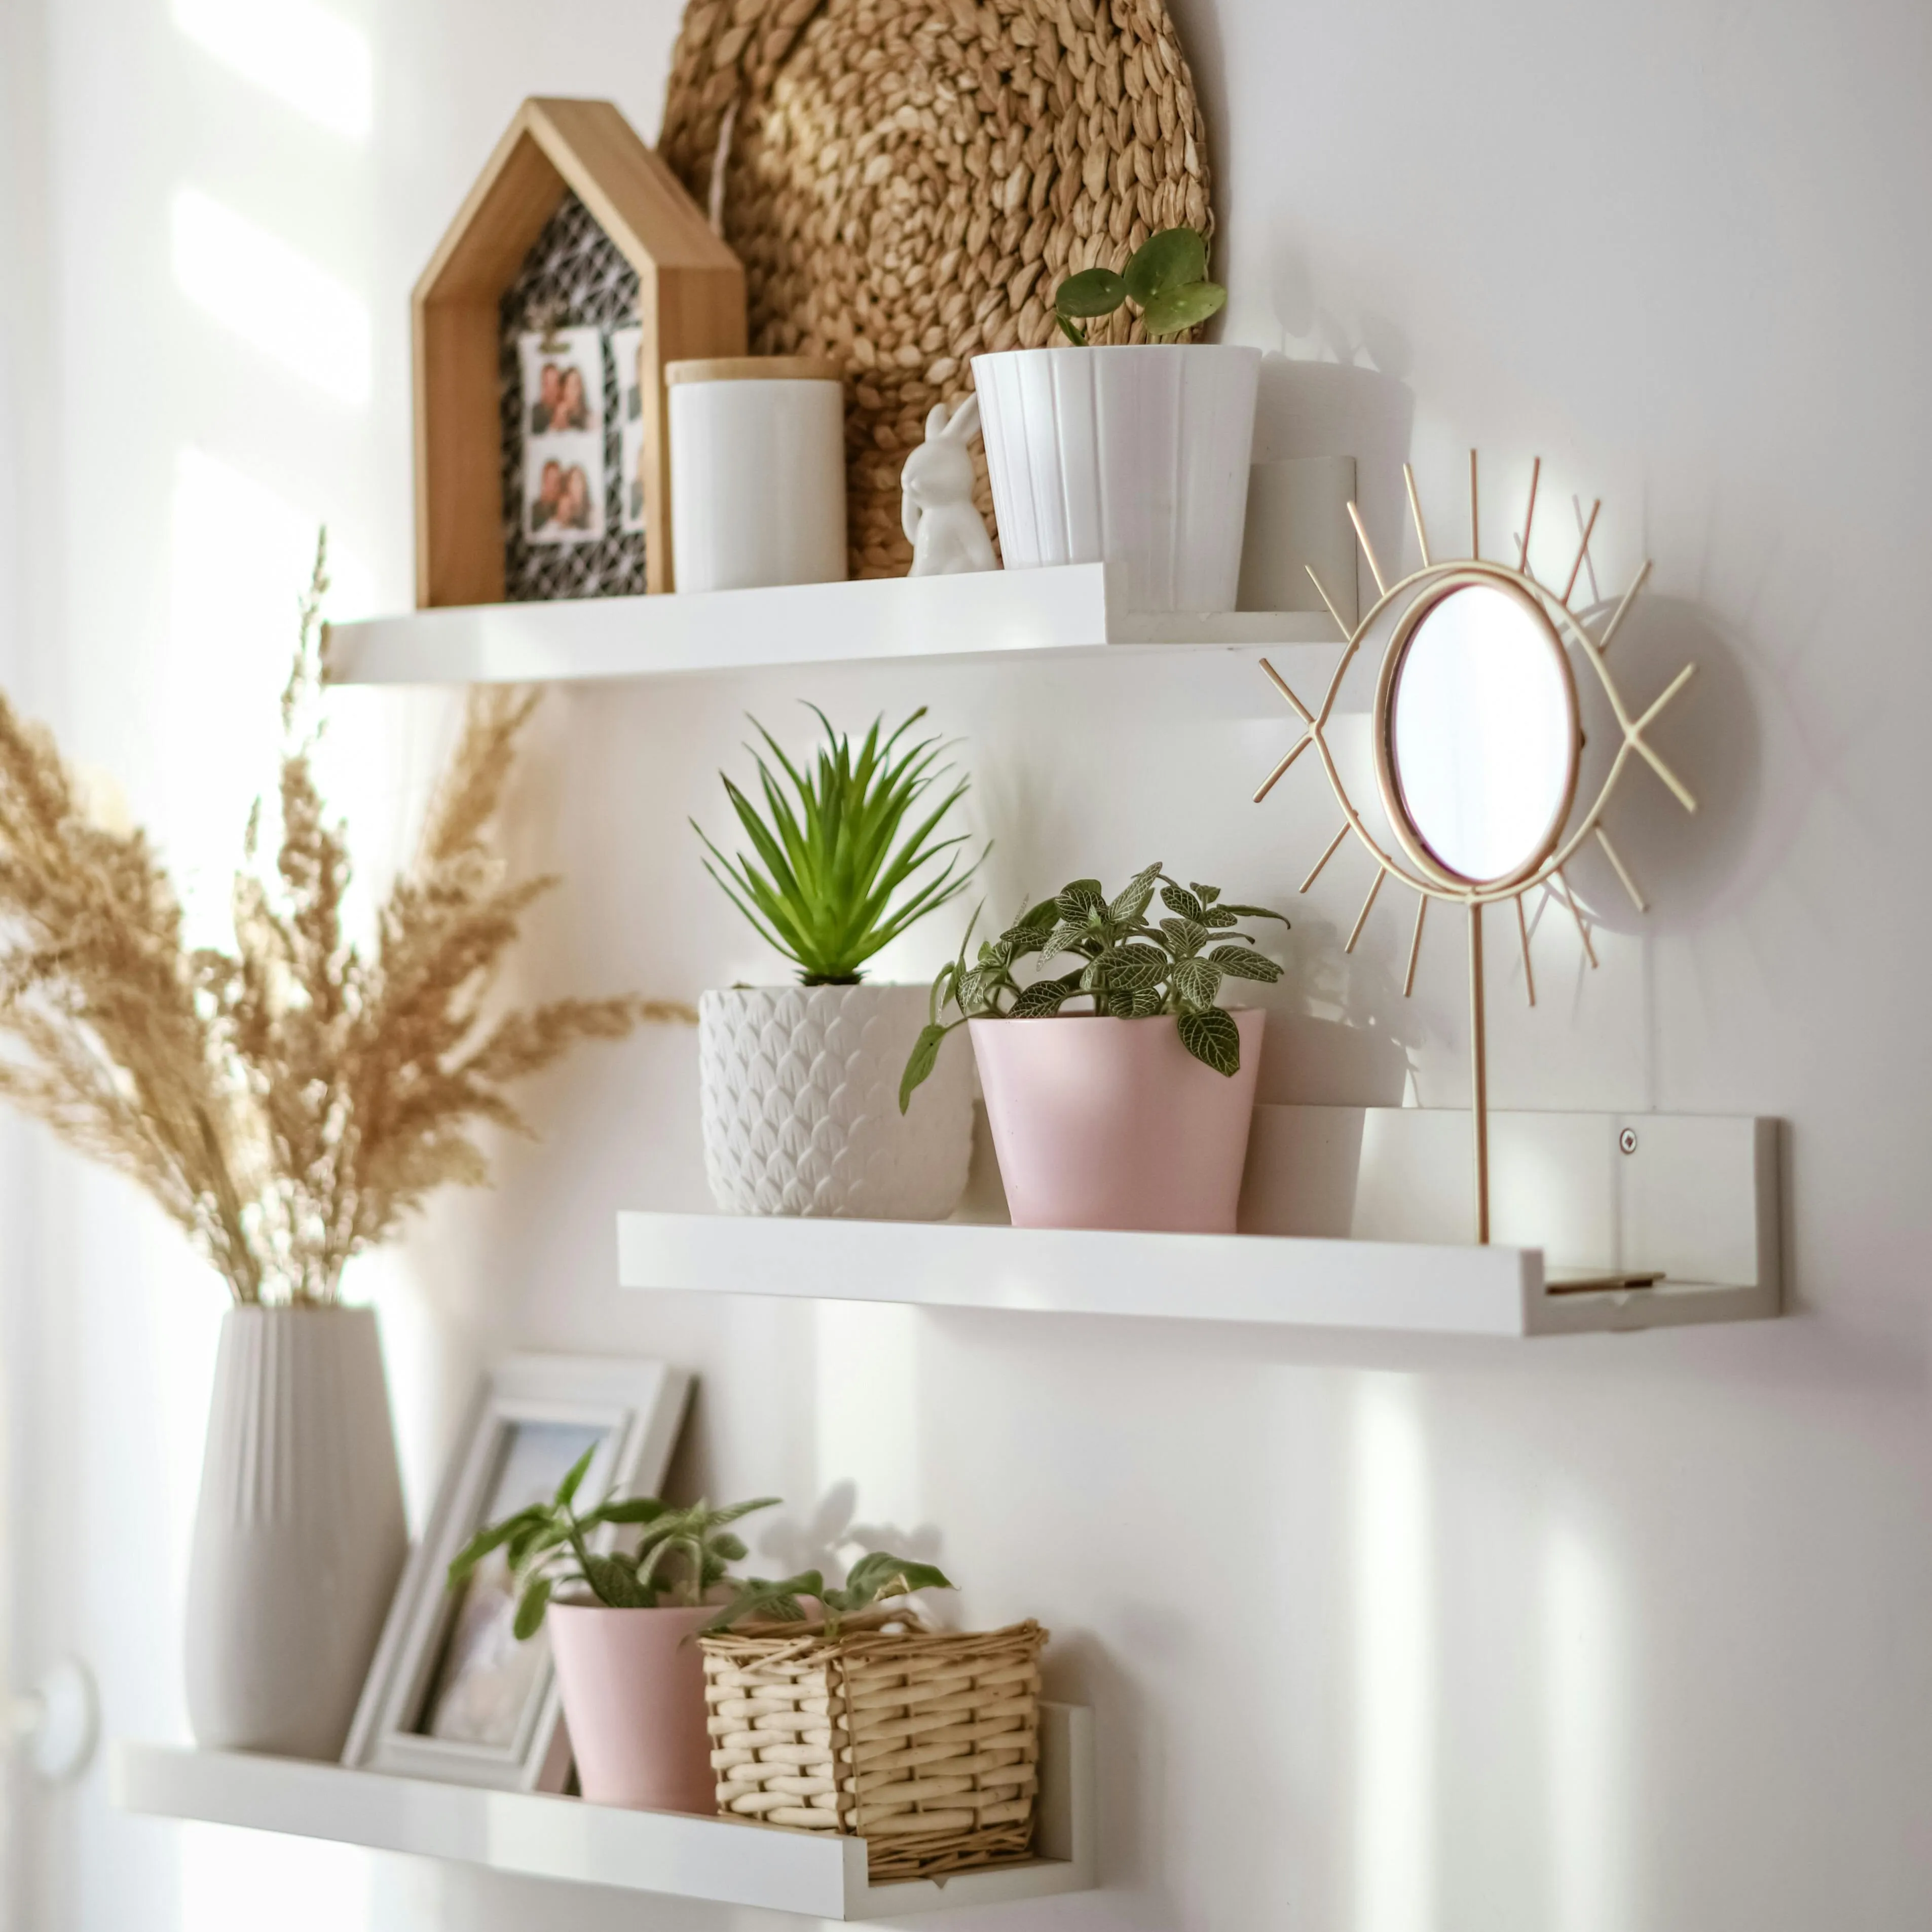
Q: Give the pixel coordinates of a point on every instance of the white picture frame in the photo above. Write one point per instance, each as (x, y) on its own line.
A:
(419, 1716)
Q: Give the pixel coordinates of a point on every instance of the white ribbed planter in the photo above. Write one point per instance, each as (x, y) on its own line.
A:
(298, 1537)
(800, 1089)
(1136, 455)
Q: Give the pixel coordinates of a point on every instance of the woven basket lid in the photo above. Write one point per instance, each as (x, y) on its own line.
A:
(906, 181)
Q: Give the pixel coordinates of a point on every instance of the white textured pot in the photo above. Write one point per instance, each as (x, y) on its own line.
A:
(299, 1536)
(1137, 454)
(801, 1102)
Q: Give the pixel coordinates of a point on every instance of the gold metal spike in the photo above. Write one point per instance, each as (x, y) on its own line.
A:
(1415, 511)
(1368, 905)
(1334, 846)
(1577, 913)
(1528, 517)
(1368, 549)
(1522, 933)
(1582, 551)
(1617, 865)
(1268, 783)
(1415, 944)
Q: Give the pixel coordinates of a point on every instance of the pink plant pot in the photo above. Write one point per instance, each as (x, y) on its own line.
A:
(633, 1684)
(1113, 1123)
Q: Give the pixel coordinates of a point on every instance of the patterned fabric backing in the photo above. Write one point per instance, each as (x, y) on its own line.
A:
(573, 276)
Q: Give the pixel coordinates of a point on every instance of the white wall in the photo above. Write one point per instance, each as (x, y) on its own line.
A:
(1610, 1635)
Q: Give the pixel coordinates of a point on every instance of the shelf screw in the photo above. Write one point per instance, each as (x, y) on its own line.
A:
(1627, 1140)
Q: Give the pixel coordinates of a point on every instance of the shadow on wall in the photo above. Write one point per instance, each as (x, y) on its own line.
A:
(1338, 409)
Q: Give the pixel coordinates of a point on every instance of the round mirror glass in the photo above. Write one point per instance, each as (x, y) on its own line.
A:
(1482, 733)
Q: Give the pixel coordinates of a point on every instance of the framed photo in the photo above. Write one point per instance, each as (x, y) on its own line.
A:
(452, 1695)
(562, 404)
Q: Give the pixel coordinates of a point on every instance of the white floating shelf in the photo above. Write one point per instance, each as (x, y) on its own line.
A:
(675, 1853)
(1350, 1216)
(1069, 609)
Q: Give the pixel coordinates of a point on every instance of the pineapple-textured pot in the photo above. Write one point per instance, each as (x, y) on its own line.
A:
(800, 1088)
(1114, 1124)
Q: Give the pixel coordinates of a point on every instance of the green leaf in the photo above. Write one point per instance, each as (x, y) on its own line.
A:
(1206, 894)
(1196, 981)
(1142, 1002)
(614, 1582)
(1178, 898)
(1125, 968)
(1213, 1040)
(1092, 291)
(1073, 332)
(1242, 962)
(1173, 260)
(1135, 898)
(1256, 912)
(634, 1509)
(881, 1575)
(566, 1490)
(1217, 918)
(924, 1057)
(1184, 937)
(778, 1602)
(480, 1545)
(1044, 998)
(1076, 902)
(530, 1609)
(1182, 309)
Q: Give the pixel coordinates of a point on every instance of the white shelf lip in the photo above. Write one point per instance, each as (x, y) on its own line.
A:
(678, 1854)
(1061, 611)
(1281, 1281)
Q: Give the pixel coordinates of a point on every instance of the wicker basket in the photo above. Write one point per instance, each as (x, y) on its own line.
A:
(925, 1743)
(906, 182)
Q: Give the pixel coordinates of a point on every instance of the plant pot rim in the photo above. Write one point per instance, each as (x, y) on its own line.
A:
(1125, 348)
(1115, 1019)
(824, 986)
(634, 1610)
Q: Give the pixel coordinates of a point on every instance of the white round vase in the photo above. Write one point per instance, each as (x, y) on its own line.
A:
(800, 1088)
(299, 1536)
(1136, 455)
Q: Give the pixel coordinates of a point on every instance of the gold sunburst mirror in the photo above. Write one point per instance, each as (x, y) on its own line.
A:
(1478, 740)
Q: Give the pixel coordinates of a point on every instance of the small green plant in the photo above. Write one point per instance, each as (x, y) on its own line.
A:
(1167, 281)
(833, 880)
(1130, 968)
(682, 1556)
(873, 1579)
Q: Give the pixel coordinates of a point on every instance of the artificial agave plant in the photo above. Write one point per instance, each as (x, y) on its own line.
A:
(847, 855)
(290, 1103)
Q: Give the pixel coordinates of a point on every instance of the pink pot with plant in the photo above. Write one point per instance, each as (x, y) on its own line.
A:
(633, 1684)
(1135, 1113)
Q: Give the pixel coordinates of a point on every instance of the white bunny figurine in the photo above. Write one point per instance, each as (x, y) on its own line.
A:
(936, 497)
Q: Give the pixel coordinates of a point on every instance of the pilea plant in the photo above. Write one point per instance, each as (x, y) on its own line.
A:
(1166, 281)
(681, 1556)
(1130, 967)
(832, 880)
(872, 1580)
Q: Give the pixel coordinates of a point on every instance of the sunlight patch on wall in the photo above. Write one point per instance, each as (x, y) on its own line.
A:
(868, 1408)
(1394, 1877)
(234, 1881)
(308, 58)
(272, 296)
(1584, 1695)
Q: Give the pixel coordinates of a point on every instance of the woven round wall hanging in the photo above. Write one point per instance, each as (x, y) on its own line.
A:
(907, 182)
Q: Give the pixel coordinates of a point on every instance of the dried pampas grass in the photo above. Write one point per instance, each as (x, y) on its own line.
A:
(289, 1104)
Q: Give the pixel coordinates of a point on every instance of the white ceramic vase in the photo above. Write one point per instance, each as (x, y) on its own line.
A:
(299, 1536)
(1136, 454)
(801, 1104)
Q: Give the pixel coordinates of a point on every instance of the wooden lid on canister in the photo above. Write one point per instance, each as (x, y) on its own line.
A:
(753, 369)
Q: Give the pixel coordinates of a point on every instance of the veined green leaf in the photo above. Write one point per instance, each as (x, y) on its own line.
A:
(566, 1490)
(1242, 962)
(925, 1056)
(1184, 936)
(1178, 898)
(1196, 981)
(1213, 1040)
(1044, 998)
(1256, 912)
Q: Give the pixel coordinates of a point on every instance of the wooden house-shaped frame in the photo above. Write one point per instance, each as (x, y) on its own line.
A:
(691, 303)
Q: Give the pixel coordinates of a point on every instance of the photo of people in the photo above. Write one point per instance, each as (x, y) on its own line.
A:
(626, 346)
(563, 371)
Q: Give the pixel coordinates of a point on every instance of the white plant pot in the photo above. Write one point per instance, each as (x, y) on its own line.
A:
(298, 1537)
(801, 1104)
(1137, 455)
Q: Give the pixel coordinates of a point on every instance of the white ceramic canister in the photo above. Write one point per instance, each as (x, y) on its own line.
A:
(757, 471)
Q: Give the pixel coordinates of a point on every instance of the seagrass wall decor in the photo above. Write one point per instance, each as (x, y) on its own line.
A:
(906, 181)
